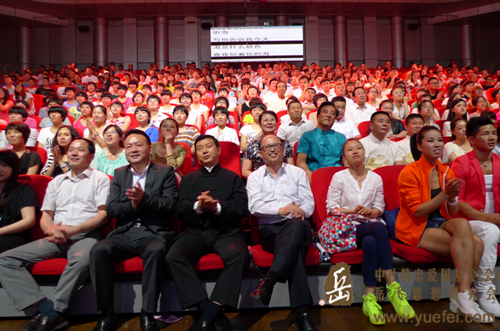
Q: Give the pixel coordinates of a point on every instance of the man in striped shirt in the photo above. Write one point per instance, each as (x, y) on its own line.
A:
(74, 209)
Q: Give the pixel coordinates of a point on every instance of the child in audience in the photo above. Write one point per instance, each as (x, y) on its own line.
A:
(221, 131)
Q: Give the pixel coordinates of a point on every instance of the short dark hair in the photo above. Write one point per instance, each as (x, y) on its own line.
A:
(339, 99)
(206, 136)
(268, 112)
(90, 144)
(144, 109)
(317, 97)
(358, 88)
(70, 88)
(139, 132)
(186, 95)
(166, 92)
(324, 104)
(412, 117)
(82, 94)
(21, 127)
(58, 109)
(375, 114)
(19, 110)
(258, 105)
(182, 109)
(222, 110)
(222, 99)
(474, 124)
(154, 97)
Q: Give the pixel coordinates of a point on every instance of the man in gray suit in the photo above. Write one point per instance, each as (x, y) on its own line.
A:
(141, 197)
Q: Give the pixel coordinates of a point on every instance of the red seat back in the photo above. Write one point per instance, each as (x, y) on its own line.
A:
(390, 176)
(38, 100)
(320, 181)
(39, 184)
(295, 152)
(71, 119)
(187, 165)
(37, 119)
(440, 123)
(230, 156)
(364, 128)
(133, 122)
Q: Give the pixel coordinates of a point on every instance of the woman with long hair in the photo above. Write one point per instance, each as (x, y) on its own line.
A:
(21, 94)
(5, 104)
(185, 134)
(112, 156)
(428, 193)
(96, 126)
(480, 105)
(460, 145)
(138, 100)
(166, 150)
(458, 110)
(57, 161)
(117, 116)
(18, 204)
(17, 134)
(86, 108)
(358, 193)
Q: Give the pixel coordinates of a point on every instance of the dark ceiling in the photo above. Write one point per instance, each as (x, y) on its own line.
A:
(144, 9)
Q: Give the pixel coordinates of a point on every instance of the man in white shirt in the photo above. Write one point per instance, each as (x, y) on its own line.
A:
(222, 132)
(71, 225)
(89, 77)
(292, 129)
(277, 102)
(326, 89)
(379, 150)
(360, 111)
(340, 92)
(294, 90)
(414, 123)
(308, 100)
(342, 124)
(280, 196)
(265, 94)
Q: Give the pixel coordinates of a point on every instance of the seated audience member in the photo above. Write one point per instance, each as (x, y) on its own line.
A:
(479, 202)
(86, 108)
(379, 150)
(20, 94)
(250, 132)
(280, 197)
(186, 134)
(460, 145)
(248, 118)
(277, 102)
(212, 201)
(397, 129)
(142, 194)
(57, 116)
(71, 104)
(167, 107)
(122, 97)
(112, 156)
(495, 95)
(428, 197)
(292, 129)
(426, 110)
(166, 150)
(17, 134)
(414, 123)
(321, 147)
(157, 117)
(195, 117)
(30, 121)
(360, 111)
(221, 131)
(18, 206)
(46, 121)
(458, 110)
(72, 226)
(96, 126)
(118, 116)
(137, 101)
(143, 117)
(5, 103)
(454, 96)
(19, 115)
(251, 157)
(231, 101)
(480, 105)
(57, 158)
(317, 100)
(358, 192)
(491, 116)
(400, 102)
(221, 102)
(342, 124)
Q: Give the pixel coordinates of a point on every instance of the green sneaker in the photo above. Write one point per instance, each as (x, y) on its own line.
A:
(373, 310)
(398, 299)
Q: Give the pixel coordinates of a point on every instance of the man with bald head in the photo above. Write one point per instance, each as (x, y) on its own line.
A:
(280, 197)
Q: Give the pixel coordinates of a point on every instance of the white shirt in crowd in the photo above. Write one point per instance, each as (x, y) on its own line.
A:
(292, 132)
(380, 153)
(346, 127)
(357, 114)
(228, 134)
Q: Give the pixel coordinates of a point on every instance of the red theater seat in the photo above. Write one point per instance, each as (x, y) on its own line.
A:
(50, 267)
(416, 255)
(363, 128)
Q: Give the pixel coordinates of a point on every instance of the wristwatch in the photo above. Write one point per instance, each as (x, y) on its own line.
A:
(454, 203)
(63, 165)
(95, 135)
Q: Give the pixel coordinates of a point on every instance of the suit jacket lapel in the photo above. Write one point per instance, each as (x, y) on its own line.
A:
(150, 178)
(128, 178)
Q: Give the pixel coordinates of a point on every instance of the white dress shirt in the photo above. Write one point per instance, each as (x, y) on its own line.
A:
(357, 114)
(346, 127)
(266, 194)
(292, 132)
(344, 192)
(228, 134)
(276, 104)
(380, 153)
(74, 201)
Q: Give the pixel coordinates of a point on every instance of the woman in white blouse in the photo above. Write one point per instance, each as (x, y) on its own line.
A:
(460, 145)
(358, 191)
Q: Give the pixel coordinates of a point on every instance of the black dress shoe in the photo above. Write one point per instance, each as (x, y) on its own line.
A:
(54, 324)
(263, 292)
(33, 323)
(200, 325)
(105, 324)
(222, 323)
(149, 324)
(305, 323)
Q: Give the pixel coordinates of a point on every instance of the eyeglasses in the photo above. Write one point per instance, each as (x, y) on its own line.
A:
(267, 148)
(110, 132)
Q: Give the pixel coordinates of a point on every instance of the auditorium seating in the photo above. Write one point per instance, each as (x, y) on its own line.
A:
(364, 128)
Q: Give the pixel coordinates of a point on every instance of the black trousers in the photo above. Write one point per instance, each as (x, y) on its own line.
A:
(188, 250)
(141, 242)
(11, 241)
(289, 242)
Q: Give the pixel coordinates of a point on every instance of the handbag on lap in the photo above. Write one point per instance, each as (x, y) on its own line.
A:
(338, 233)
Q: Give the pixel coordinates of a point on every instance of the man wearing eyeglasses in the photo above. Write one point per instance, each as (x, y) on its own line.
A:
(280, 196)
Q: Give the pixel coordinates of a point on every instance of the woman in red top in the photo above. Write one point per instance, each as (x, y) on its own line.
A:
(428, 193)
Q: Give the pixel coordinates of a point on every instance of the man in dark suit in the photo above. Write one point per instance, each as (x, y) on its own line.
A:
(142, 194)
(212, 201)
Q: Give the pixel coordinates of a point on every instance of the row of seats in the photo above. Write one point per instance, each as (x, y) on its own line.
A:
(320, 182)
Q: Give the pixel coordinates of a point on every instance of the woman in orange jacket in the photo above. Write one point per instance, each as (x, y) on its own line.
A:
(428, 193)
